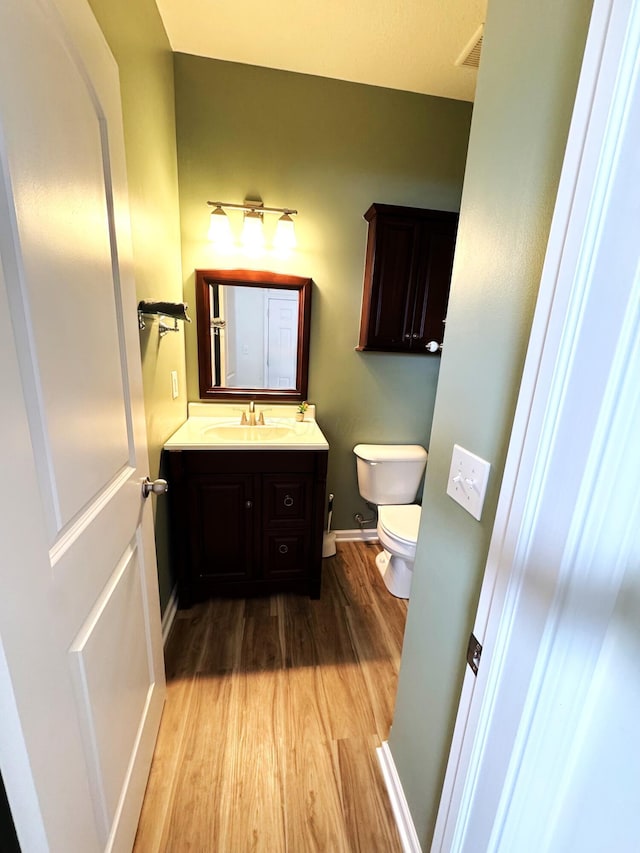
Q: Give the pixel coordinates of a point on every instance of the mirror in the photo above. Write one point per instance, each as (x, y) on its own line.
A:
(253, 334)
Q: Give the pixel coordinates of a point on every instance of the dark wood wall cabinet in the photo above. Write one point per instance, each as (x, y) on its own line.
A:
(246, 522)
(406, 278)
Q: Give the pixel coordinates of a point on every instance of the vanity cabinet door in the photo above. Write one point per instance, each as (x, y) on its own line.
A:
(222, 512)
(407, 278)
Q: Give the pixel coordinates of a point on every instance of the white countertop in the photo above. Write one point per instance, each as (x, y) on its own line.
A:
(216, 426)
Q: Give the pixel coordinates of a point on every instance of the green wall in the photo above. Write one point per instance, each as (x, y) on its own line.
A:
(137, 39)
(526, 88)
(329, 149)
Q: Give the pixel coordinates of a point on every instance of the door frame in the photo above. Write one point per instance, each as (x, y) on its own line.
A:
(605, 90)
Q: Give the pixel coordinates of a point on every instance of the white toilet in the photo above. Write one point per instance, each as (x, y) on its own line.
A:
(389, 476)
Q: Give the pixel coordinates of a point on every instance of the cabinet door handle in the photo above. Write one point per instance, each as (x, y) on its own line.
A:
(415, 336)
(284, 549)
(248, 504)
(288, 500)
(407, 337)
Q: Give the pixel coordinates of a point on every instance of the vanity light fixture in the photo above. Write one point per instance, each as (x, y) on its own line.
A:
(285, 236)
(252, 231)
(220, 228)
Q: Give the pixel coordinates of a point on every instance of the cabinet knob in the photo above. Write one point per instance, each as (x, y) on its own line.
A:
(288, 501)
(407, 337)
(248, 504)
(284, 549)
(415, 336)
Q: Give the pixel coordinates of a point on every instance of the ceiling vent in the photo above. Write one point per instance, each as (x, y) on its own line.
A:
(470, 56)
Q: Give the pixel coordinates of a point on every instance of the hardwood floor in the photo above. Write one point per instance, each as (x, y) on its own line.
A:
(274, 709)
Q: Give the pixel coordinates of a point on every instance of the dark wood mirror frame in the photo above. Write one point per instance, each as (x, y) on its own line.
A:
(250, 278)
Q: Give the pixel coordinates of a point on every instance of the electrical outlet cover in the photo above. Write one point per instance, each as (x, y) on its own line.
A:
(468, 479)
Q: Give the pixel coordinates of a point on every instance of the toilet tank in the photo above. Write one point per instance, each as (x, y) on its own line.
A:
(390, 473)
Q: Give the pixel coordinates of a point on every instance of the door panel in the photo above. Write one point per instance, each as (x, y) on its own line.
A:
(56, 154)
(111, 665)
(79, 618)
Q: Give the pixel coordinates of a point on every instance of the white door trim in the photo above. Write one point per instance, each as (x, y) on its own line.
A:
(604, 94)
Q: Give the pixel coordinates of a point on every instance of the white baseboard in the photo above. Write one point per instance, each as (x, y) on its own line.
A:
(169, 614)
(356, 535)
(404, 821)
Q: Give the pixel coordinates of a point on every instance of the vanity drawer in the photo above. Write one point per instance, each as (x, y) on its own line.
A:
(286, 554)
(287, 500)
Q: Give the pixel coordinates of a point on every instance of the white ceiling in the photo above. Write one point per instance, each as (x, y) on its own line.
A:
(398, 44)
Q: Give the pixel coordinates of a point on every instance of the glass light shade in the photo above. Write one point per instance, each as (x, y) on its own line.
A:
(252, 233)
(219, 228)
(285, 236)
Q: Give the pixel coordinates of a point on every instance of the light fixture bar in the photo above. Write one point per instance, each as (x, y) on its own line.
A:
(249, 207)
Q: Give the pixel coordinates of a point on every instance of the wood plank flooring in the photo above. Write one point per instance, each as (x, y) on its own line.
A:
(274, 709)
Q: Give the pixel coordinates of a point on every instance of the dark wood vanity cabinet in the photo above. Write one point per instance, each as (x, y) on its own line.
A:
(246, 522)
(407, 278)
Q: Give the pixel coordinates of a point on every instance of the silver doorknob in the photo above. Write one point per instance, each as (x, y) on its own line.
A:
(433, 346)
(156, 487)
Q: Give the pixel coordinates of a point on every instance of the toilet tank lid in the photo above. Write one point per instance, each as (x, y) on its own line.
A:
(387, 452)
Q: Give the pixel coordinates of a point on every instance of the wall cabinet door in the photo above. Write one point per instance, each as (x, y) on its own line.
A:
(407, 278)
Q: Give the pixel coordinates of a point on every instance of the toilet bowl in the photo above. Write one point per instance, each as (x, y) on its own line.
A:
(389, 477)
(398, 533)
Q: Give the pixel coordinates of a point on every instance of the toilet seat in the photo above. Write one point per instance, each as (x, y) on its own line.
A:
(400, 522)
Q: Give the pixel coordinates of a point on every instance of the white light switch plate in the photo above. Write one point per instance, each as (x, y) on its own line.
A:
(468, 480)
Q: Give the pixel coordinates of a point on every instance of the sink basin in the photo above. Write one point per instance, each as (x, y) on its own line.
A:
(243, 432)
(212, 426)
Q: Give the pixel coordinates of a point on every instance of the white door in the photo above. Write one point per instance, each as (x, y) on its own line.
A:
(282, 338)
(81, 670)
(545, 754)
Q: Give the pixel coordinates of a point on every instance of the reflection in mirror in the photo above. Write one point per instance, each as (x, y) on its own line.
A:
(254, 337)
(253, 334)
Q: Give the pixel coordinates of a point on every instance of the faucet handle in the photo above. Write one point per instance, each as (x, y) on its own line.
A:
(261, 418)
(243, 419)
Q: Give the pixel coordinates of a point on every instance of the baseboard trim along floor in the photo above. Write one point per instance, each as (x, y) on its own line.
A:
(399, 806)
(356, 535)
